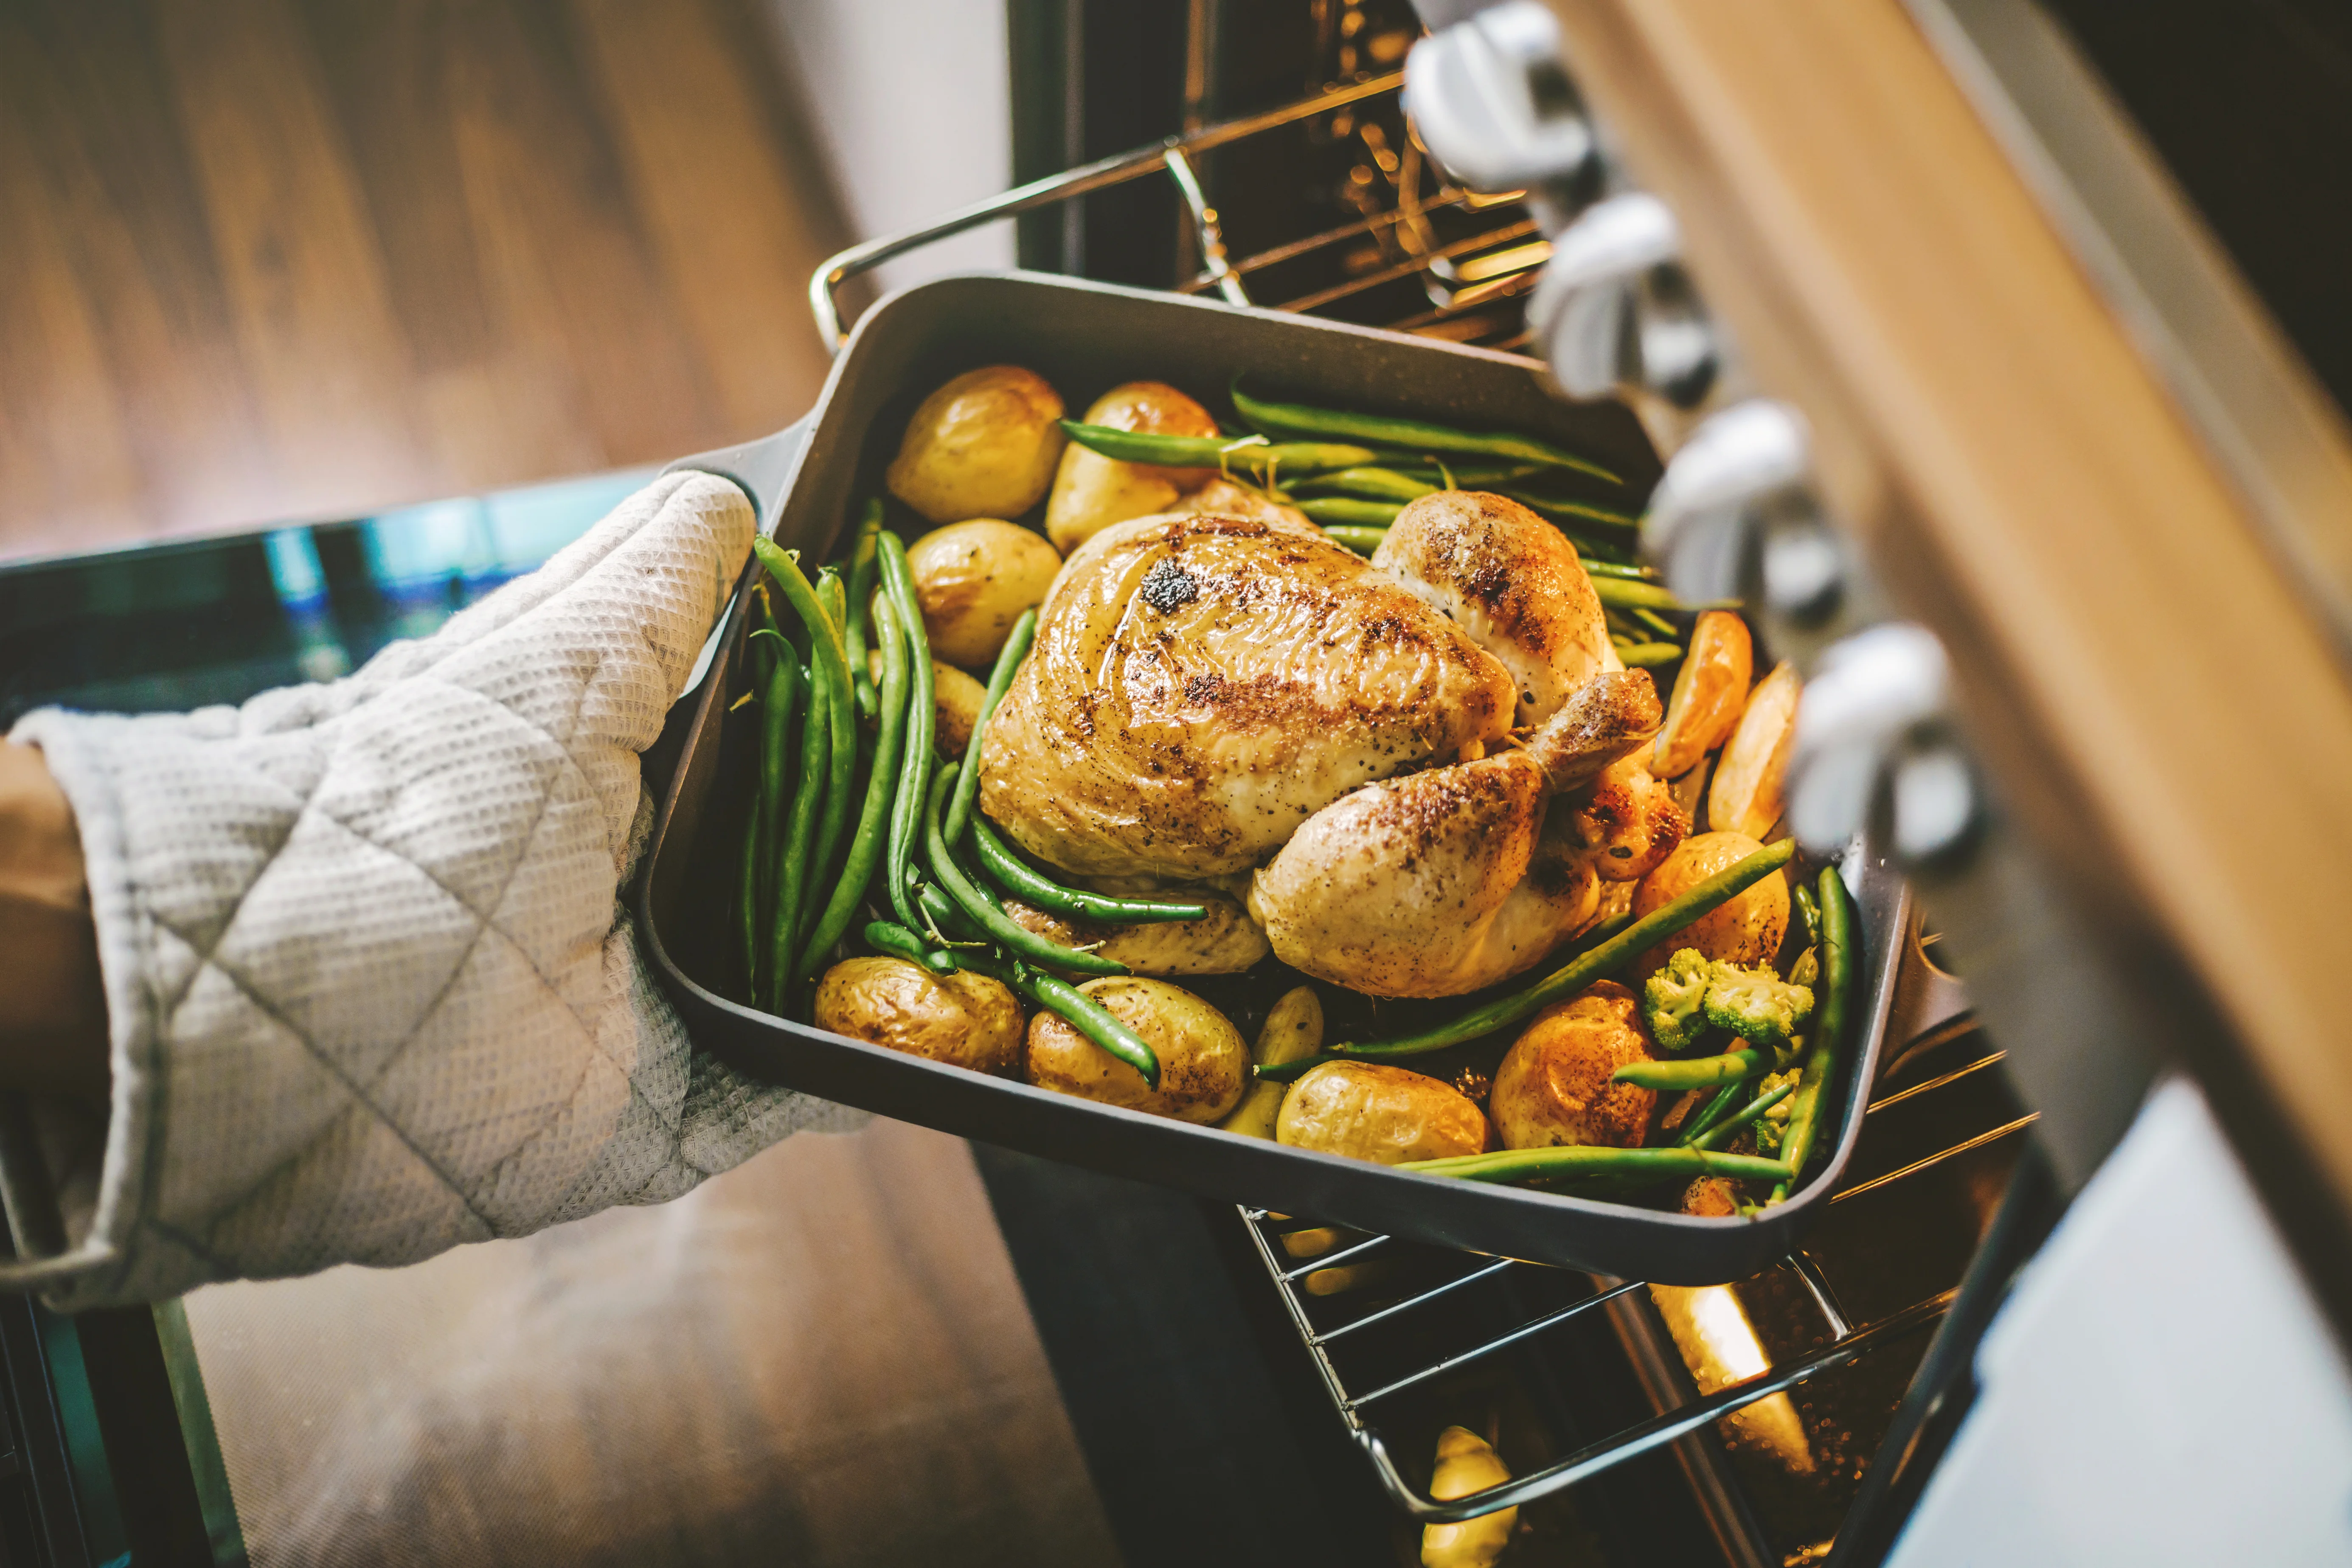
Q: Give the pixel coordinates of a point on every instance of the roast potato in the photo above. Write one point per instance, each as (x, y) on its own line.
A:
(1746, 794)
(1203, 1063)
(982, 446)
(1465, 1464)
(973, 580)
(1747, 929)
(1224, 942)
(1708, 696)
(1553, 1087)
(955, 703)
(1384, 1114)
(1293, 1029)
(1092, 491)
(963, 1019)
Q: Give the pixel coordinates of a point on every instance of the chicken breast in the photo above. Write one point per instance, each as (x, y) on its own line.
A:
(1513, 582)
(1201, 686)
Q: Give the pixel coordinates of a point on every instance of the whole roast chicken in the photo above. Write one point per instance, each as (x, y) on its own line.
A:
(1211, 695)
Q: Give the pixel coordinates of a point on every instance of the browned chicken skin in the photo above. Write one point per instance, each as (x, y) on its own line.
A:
(1201, 686)
(1205, 691)
(1451, 879)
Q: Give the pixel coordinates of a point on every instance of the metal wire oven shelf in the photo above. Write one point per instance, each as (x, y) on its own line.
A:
(1848, 1341)
(1471, 282)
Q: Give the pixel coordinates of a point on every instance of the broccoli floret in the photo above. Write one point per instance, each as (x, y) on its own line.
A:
(1756, 1004)
(1672, 1000)
(1773, 1125)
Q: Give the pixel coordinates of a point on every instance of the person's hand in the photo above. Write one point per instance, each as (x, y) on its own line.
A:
(370, 991)
(52, 1013)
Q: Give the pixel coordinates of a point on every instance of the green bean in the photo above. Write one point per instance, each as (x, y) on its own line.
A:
(793, 851)
(1724, 1098)
(747, 903)
(1346, 511)
(1808, 913)
(1695, 1072)
(922, 721)
(855, 636)
(1369, 484)
(1007, 933)
(945, 918)
(1717, 1136)
(1592, 1159)
(999, 680)
(1648, 655)
(1572, 512)
(1363, 540)
(1251, 454)
(890, 937)
(865, 845)
(782, 700)
(841, 748)
(1076, 1008)
(1838, 963)
(1457, 476)
(1626, 595)
(1616, 569)
(1657, 623)
(1016, 876)
(1596, 962)
(1295, 419)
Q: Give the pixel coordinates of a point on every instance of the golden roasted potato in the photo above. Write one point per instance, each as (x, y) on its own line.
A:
(1224, 942)
(1092, 491)
(1384, 1114)
(1747, 929)
(955, 703)
(1465, 1464)
(973, 580)
(1708, 696)
(1203, 1063)
(1746, 794)
(982, 446)
(963, 1019)
(1294, 1028)
(1553, 1087)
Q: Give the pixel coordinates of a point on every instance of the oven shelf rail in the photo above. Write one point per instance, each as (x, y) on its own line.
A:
(1497, 263)
(1849, 1341)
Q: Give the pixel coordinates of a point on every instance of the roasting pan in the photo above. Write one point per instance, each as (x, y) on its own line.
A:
(1086, 337)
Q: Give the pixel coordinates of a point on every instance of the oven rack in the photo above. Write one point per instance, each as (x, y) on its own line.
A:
(1847, 1343)
(1473, 283)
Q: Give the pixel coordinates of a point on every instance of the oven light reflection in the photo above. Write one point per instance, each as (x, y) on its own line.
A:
(1717, 1343)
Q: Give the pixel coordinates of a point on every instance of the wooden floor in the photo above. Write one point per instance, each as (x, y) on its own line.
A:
(275, 260)
(821, 1359)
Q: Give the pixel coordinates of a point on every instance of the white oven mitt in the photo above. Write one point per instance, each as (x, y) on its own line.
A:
(369, 987)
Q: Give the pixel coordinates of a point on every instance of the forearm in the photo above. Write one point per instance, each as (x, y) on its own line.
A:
(52, 1009)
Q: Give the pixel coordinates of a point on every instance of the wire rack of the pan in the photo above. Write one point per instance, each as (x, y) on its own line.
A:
(1410, 250)
(1310, 1286)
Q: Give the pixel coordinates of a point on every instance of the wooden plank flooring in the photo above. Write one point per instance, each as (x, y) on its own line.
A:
(821, 1359)
(275, 260)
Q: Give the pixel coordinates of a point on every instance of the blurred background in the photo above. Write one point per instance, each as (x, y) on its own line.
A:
(273, 260)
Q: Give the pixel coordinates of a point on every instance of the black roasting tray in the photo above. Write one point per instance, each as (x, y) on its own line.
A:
(1086, 337)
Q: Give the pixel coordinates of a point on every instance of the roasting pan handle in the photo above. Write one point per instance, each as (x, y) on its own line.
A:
(762, 469)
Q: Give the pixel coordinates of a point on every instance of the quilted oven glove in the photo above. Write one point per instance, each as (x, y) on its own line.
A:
(371, 990)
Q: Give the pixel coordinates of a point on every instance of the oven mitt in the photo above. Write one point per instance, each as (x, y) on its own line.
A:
(370, 989)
